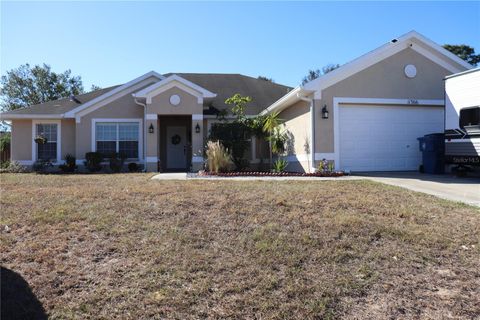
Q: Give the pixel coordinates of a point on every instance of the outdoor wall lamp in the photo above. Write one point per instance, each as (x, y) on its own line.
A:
(150, 129)
(324, 112)
(197, 128)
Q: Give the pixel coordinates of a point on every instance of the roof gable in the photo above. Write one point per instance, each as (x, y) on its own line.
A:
(111, 95)
(174, 81)
(412, 40)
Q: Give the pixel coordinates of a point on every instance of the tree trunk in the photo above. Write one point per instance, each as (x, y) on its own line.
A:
(271, 155)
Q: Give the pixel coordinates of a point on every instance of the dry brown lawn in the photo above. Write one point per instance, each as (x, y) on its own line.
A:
(123, 246)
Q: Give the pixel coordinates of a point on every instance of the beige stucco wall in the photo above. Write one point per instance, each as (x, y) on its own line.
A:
(161, 106)
(385, 79)
(21, 140)
(68, 137)
(298, 127)
(123, 108)
(188, 103)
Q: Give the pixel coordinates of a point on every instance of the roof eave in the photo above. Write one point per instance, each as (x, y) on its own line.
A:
(287, 100)
(13, 116)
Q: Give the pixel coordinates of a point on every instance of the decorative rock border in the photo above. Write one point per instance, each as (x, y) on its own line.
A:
(271, 174)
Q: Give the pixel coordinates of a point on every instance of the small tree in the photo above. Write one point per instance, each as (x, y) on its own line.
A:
(270, 124)
(239, 103)
(234, 135)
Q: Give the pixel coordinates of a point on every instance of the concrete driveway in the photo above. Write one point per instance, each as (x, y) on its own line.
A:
(448, 187)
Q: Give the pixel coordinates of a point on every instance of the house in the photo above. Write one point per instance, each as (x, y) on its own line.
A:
(367, 114)
(157, 120)
(363, 116)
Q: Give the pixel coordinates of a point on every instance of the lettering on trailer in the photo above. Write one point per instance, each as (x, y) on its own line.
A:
(463, 159)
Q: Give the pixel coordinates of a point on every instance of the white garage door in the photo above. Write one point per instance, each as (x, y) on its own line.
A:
(384, 138)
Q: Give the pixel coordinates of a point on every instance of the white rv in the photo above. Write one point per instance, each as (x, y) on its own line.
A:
(462, 118)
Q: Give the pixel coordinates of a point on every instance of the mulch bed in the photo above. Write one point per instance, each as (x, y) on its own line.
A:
(272, 174)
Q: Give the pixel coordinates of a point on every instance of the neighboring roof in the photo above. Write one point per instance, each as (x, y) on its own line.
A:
(58, 107)
(262, 92)
(444, 58)
(173, 80)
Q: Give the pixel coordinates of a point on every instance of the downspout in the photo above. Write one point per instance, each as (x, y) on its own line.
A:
(311, 101)
(144, 133)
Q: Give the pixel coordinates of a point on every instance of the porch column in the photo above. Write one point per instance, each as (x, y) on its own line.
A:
(151, 139)
(197, 142)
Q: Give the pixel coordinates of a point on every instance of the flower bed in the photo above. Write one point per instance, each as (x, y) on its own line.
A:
(272, 174)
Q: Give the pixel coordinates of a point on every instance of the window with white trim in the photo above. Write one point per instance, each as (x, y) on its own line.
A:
(117, 137)
(47, 150)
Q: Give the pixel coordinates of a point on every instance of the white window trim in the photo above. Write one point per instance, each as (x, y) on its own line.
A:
(140, 132)
(59, 138)
(337, 101)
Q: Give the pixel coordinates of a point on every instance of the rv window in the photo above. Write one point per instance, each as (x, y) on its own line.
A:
(469, 117)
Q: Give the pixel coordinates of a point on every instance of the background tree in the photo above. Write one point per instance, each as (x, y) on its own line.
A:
(266, 79)
(314, 74)
(26, 86)
(465, 52)
(94, 87)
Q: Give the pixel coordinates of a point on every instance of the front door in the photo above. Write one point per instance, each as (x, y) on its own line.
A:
(176, 147)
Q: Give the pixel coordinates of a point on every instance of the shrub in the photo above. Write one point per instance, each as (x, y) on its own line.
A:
(5, 140)
(41, 166)
(218, 158)
(93, 161)
(13, 167)
(4, 164)
(234, 136)
(322, 165)
(116, 162)
(133, 167)
(331, 166)
(70, 164)
(280, 165)
(326, 166)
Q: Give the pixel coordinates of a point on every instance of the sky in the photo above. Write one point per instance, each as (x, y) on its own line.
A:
(109, 43)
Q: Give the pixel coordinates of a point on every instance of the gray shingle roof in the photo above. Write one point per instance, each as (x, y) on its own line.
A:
(263, 93)
(62, 105)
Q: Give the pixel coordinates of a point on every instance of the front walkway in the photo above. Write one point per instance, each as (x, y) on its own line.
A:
(448, 187)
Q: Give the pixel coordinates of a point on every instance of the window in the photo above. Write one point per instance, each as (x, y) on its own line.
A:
(48, 150)
(469, 117)
(119, 137)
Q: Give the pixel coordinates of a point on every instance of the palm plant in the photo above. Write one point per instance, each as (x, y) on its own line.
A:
(270, 123)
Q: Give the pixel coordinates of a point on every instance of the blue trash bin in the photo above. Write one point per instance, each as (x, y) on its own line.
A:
(432, 147)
